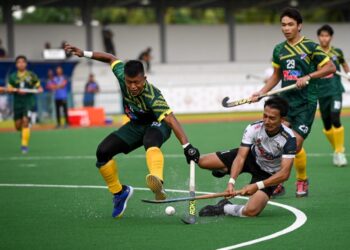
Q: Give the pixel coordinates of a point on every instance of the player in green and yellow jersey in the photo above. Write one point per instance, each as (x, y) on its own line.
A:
(298, 60)
(151, 122)
(330, 96)
(23, 103)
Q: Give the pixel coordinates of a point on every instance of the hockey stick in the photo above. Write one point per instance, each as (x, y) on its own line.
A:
(191, 218)
(200, 197)
(343, 75)
(227, 104)
(16, 90)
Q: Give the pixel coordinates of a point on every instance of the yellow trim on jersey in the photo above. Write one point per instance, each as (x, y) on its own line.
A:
(324, 61)
(305, 48)
(115, 63)
(275, 65)
(37, 84)
(301, 39)
(162, 116)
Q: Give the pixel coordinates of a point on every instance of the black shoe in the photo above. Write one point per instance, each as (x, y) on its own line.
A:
(214, 210)
(219, 173)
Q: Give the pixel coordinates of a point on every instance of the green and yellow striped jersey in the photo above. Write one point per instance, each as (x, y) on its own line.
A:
(25, 80)
(295, 61)
(331, 84)
(145, 108)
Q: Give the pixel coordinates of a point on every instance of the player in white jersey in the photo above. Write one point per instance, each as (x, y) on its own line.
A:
(267, 152)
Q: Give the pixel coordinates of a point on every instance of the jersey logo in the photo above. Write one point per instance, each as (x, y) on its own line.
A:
(263, 153)
(334, 58)
(303, 128)
(291, 75)
(156, 124)
(303, 56)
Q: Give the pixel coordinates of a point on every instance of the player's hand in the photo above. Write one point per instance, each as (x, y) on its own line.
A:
(302, 82)
(255, 97)
(191, 153)
(230, 190)
(249, 190)
(73, 50)
(20, 92)
(40, 90)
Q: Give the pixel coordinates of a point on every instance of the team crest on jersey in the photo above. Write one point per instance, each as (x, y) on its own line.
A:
(303, 56)
(291, 75)
(334, 58)
(304, 128)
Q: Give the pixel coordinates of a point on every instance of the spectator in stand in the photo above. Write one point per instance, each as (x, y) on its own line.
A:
(91, 88)
(60, 88)
(145, 57)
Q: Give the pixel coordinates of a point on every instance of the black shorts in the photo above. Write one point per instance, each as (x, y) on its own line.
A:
(250, 166)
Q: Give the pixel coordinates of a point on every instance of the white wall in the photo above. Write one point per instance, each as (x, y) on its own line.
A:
(185, 43)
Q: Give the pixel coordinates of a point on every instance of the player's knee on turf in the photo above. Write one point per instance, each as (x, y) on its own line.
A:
(153, 138)
(251, 212)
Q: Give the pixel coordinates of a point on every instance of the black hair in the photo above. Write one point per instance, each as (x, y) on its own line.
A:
(327, 28)
(134, 68)
(292, 13)
(277, 102)
(21, 57)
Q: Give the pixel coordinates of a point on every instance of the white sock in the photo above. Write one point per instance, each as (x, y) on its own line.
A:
(234, 210)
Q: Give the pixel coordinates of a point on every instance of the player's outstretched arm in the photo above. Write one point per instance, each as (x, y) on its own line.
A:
(269, 84)
(99, 56)
(191, 153)
(236, 169)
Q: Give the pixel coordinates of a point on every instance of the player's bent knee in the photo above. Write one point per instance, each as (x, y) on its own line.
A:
(251, 212)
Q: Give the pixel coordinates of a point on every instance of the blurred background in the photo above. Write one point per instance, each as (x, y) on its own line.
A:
(195, 51)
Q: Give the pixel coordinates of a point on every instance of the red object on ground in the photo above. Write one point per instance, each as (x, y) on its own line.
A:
(84, 117)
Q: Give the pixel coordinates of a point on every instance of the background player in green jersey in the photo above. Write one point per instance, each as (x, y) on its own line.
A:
(330, 96)
(23, 103)
(298, 60)
(151, 122)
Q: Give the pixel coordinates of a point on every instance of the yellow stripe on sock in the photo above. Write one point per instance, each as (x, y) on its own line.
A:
(155, 161)
(109, 172)
(25, 137)
(300, 165)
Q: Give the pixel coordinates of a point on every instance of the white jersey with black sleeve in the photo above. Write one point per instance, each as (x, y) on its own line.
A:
(269, 150)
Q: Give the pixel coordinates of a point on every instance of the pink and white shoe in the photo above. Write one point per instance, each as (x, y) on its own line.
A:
(302, 188)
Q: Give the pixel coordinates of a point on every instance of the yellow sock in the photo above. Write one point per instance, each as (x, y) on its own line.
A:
(330, 136)
(300, 165)
(109, 173)
(25, 136)
(339, 139)
(155, 161)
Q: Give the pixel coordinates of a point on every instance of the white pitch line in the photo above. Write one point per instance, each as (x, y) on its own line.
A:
(135, 156)
(299, 215)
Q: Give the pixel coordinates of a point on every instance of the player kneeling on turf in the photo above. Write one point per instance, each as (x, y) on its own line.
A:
(267, 152)
(151, 122)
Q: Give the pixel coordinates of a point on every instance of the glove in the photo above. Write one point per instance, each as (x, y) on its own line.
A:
(191, 153)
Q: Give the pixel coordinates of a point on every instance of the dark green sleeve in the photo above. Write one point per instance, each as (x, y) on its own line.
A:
(118, 71)
(35, 80)
(12, 80)
(160, 107)
(341, 56)
(275, 57)
(319, 57)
